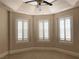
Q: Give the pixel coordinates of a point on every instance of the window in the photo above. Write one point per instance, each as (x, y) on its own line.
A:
(43, 30)
(22, 30)
(65, 29)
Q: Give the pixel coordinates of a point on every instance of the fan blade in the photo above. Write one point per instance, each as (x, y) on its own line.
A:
(48, 3)
(29, 1)
(53, 1)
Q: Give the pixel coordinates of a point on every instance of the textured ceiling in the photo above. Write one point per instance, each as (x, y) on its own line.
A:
(58, 6)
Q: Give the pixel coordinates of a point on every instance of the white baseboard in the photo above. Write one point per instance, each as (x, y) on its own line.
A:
(3, 54)
(45, 48)
(19, 50)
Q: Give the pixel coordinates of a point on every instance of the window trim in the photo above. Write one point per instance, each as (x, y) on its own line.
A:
(16, 31)
(71, 28)
(44, 40)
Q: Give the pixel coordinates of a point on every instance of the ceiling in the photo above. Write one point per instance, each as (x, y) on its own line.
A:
(58, 6)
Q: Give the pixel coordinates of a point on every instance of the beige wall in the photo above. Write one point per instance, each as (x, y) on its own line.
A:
(3, 30)
(54, 41)
(75, 14)
(13, 43)
(33, 38)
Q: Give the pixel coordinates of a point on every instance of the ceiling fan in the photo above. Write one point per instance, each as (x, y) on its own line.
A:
(39, 2)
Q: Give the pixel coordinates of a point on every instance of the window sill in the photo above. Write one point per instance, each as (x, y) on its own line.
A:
(66, 42)
(43, 40)
(21, 41)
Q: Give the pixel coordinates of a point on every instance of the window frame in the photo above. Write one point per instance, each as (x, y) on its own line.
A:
(44, 40)
(71, 29)
(16, 31)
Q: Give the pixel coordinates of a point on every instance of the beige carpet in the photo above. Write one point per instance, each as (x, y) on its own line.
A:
(40, 55)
